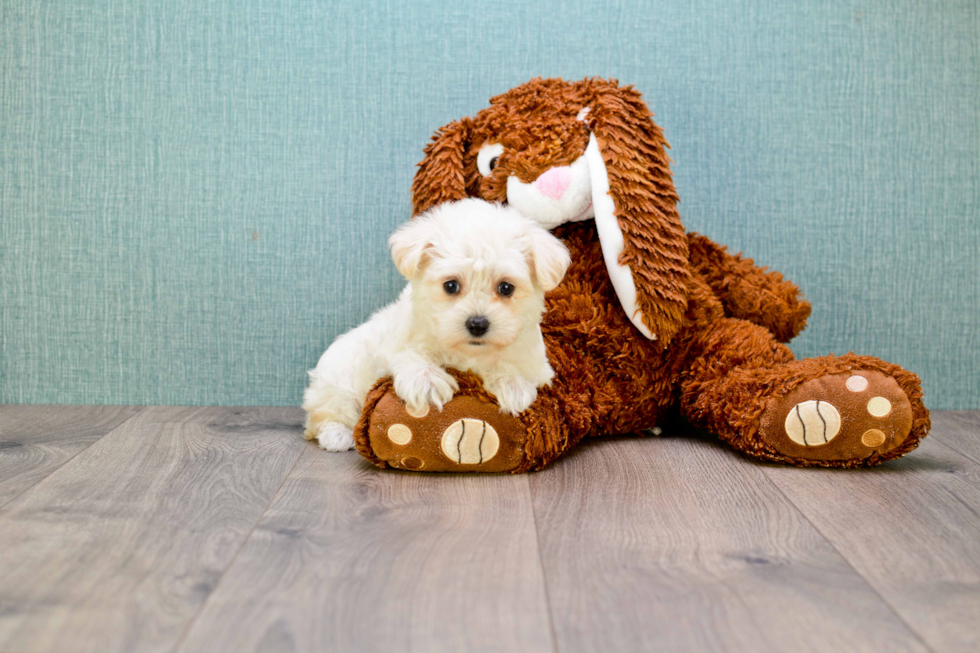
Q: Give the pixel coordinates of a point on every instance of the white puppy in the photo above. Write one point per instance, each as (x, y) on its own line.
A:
(477, 276)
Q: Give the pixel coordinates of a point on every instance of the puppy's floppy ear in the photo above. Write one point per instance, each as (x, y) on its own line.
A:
(641, 232)
(548, 257)
(441, 177)
(409, 244)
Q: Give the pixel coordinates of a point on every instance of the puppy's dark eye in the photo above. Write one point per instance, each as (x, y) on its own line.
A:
(451, 287)
(493, 163)
(505, 289)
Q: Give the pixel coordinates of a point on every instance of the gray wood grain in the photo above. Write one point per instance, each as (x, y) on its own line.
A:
(138, 535)
(36, 440)
(117, 549)
(677, 544)
(959, 430)
(911, 528)
(352, 558)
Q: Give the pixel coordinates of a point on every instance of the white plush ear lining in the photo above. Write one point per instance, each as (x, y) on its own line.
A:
(548, 257)
(611, 237)
(408, 245)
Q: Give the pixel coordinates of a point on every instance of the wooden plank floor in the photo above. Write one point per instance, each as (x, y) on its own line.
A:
(220, 529)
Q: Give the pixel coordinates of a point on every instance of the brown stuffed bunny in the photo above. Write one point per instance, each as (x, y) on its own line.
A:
(648, 321)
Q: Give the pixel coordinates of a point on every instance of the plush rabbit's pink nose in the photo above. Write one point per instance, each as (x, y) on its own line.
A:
(554, 182)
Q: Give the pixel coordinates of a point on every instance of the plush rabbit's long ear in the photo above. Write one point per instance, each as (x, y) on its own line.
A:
(441, 176)
(643, 241)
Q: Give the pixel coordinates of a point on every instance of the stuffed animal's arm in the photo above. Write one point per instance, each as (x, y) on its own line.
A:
(750, 292)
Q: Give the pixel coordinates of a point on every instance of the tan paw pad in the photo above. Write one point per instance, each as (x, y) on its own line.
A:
(419, 414)
(470, 442)
(879, 406)
(857, 383)
(812, 423)
(873, 438)
(399, 434)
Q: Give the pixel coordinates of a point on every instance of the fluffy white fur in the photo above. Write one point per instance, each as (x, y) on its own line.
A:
(479, 246)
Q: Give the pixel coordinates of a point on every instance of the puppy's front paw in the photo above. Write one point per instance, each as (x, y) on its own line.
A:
(420, 386)
(514, 394)
(333, 436)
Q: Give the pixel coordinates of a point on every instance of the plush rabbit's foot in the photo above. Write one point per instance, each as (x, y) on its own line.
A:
(860, 415)
(470, 434)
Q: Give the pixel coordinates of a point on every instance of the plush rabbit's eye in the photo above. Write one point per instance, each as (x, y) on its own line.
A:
(451, 287)
(505, 289)
(486, 159)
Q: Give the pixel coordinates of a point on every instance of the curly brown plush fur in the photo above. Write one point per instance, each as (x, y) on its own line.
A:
(719, 321)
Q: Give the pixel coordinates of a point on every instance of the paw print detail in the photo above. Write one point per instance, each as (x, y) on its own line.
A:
(812, 423)
(399, 434)
(469, 434)
(856, 383)
(841, 416)
(470, 442)
(466, 441)
(879, 406)
(873, 438)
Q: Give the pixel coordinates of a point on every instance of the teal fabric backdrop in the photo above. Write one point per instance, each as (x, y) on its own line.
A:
(195, 195)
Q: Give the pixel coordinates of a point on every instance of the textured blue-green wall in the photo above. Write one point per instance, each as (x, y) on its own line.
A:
(195, 196)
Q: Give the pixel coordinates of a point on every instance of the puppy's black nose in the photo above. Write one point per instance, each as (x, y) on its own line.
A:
(477, 325)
